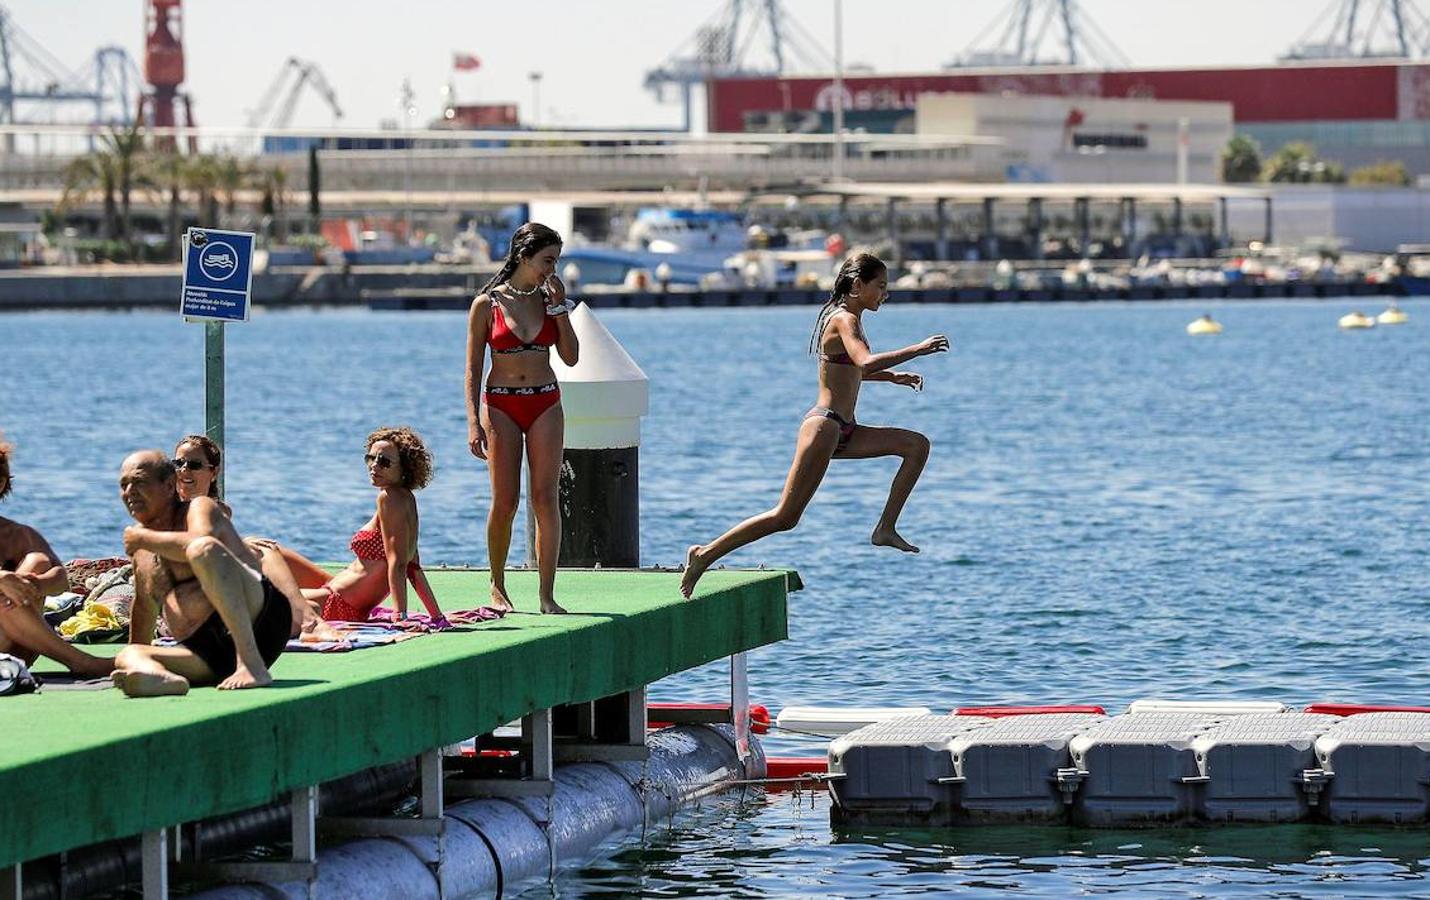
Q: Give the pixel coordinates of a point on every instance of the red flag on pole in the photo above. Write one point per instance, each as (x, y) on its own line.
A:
(465, 62)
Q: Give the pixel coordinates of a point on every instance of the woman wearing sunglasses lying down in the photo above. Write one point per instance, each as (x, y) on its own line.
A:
(398, 463)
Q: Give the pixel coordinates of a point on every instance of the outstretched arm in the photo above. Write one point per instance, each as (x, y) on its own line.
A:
(396, 537)
(479, 319)
(418, 577)
(846, 325)
(907, 379)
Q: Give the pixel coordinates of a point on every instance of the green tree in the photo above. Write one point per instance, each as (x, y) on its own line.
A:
(87, 176)
(1240, 160)
(166, 175)
(273, 200)
(230, 177)
(110, 171)
(1297, 162)
(1384, 172)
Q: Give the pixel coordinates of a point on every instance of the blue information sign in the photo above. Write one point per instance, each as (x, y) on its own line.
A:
(218, 275)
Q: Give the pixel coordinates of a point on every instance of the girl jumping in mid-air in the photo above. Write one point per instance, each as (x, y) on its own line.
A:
(829, 430)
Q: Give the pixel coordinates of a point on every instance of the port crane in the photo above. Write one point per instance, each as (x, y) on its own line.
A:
(294, 74)
(720, 48)
(1366, 29)
(1023, 29)
(31, 77)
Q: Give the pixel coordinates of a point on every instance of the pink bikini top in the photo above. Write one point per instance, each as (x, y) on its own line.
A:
(367, 544)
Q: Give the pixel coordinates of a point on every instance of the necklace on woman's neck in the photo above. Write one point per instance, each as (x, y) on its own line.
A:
(520, 293)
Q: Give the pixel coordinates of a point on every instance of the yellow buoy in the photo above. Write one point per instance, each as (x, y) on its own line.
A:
(1204, 325)
(1393, 316)
(1356, 319)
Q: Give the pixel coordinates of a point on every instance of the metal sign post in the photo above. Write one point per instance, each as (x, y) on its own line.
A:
(213, 388)
(217, 288)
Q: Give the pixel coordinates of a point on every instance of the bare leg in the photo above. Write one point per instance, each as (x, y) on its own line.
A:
(305, 620)
(543, 456)
(145, 671)
(27, 630)
(238, 599)
(504, 441)
(872, 441)
(307, 573)
(813, 450)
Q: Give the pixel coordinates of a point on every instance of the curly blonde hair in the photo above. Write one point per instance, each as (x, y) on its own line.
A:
(6, 480)
(416, 459)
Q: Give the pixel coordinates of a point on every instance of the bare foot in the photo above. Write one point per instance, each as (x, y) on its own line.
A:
(694, 568)
(888, 537)
(149, 684)
(500, 601)
(243, 678)
(319, 630)
(551, 607)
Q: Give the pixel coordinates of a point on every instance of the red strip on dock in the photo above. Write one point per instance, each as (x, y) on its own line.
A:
(998, 712)
(1351, 709)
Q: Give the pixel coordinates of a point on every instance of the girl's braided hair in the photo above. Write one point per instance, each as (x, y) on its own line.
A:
(860, 266)
(530, 239)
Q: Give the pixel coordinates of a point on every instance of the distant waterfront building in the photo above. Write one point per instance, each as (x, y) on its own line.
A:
(1086, 139)
(1356, 112)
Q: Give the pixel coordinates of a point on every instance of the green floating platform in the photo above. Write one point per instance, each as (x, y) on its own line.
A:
(81, 766)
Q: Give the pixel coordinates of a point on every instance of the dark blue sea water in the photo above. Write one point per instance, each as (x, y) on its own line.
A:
(1113, 510)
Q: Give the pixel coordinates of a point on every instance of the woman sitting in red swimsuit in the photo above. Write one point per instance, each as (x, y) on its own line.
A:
(398, 463)
(520, 315)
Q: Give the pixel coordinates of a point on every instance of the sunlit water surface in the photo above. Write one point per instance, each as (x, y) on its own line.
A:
(1113, 510)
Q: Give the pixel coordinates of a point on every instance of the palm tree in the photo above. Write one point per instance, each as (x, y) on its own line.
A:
(124, 146)
(273, 184)
(89, 174)
(166, 175)
(230, 176)
(203, 177)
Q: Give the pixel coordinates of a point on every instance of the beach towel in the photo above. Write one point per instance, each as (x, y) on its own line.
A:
(382, 629)
(422, 624)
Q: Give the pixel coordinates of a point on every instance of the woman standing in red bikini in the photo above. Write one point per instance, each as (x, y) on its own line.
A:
(398, 463)
(829, 430)
(521, 314)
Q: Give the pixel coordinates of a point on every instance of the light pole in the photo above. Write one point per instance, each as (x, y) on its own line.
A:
(838, 89)
(535, 98)
(408, 110)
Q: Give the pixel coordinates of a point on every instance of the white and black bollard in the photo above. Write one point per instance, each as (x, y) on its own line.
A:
(604, 397)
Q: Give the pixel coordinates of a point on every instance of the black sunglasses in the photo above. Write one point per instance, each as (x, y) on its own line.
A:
(376, 459)
(193, 465)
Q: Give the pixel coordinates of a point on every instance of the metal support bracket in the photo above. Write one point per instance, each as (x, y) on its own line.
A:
(1068, 781)
(740, 705)
(302, 866)
(431, 822)
(12, 887)
(1313, 781)
(154, 864)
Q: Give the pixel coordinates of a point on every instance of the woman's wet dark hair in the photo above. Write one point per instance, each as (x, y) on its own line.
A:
(212, 455)
(861, 267)
(529, 240)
